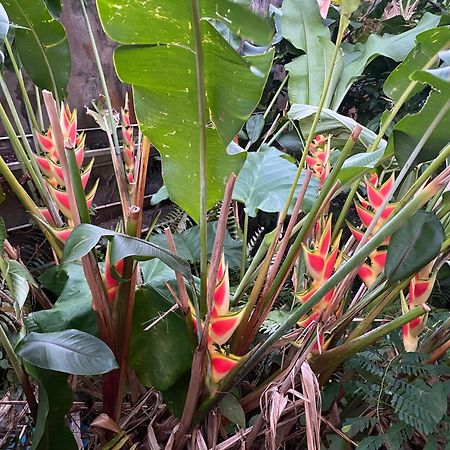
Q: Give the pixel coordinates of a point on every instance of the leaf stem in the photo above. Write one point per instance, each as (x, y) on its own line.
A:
(20, 373)
(244, 246)
(201, 104)
(23, 89)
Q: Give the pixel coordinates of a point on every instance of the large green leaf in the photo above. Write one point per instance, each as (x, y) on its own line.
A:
(428, 44)
(414, 245)
(232, 410)
(85, 237)
(17, 279)
(55, 400)
(162, 354)
(331, 122)
(410, 129)
(438, 78)
(188, 244)
(54, 7)
(73, 309)
(42, 44)
(165, 85)
(357, 57)
(357, 164)
(4, 23)
(265, 181)
(303, 26)
(69, 351)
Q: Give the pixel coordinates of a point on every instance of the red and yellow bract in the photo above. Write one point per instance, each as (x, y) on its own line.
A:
(50, 166)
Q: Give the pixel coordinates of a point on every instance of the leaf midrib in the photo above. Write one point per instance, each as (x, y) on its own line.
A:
(47, 62)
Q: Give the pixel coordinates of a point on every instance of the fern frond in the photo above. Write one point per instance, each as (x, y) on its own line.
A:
(419, 405)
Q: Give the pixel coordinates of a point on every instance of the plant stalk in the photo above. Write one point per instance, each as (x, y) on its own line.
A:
(20, 373)
(201, 104)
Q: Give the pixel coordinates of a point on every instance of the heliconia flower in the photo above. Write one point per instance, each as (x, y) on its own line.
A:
(223, 324)
(318, 158)
(50, 167)
(221, 364)
(420, 288)
(111, 283)
(62, 234)
(68, 121)
(128, 144)
(320, 262)
(366, 210)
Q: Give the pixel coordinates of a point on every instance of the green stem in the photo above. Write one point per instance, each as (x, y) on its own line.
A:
(252, 270)
(101, 74)
(279, 131)
(77, 186)
(23, 89)
(376, 310)
(316, 119)
(244, 246)
(201, 104)
(27, 158)
(396, 108)
(20, 373)
(428, 172)
(327, 362)
(39, 109)
(343, 214)
(274, 99)
(311, 217)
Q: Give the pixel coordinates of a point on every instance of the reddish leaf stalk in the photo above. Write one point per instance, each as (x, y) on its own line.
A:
(125, 305)
(184, 297)
(90, 267)
(198, 371)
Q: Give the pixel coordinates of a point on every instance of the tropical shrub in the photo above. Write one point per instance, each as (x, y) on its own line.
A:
(230, 327)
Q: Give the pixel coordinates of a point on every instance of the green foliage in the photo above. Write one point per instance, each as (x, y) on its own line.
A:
(357, 57)
(73, 308)
(164, 78)
(303, 26)
(428, 44)
(265, 180)
(69, 351)
(85, 237)
(188, 244)
(41, 43)
(331, 122)
(399, 388)
(409, 131)
(232, 410)
(54, 7)
(414, 245)
(55, 400)
(3, 235)
(168, 352)
(305, 29)
(17, 279)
